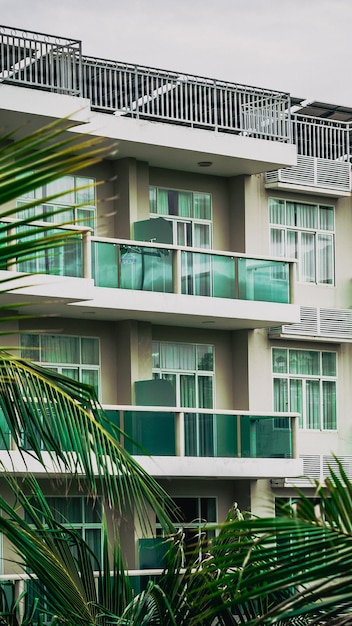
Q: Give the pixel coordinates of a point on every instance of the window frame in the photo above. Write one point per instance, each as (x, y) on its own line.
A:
(320, 377)
(59, 366)
(175, 220)
(75, 204)
(317, 232)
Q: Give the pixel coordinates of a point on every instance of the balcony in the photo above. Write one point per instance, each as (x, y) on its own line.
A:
(323, 160)
(248, 128)
(180, 285)
(193, 442)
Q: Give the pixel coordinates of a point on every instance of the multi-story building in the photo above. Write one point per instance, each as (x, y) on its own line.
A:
(208, 298)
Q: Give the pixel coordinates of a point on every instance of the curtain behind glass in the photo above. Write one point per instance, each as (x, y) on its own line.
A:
(329, 405)
(312, 404)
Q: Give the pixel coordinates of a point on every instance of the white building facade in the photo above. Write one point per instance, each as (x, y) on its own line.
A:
(209, 298)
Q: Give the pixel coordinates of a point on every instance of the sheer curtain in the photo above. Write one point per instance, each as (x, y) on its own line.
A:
(312, 404)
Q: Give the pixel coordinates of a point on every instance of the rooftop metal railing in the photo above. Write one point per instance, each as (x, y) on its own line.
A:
(150, 93)
(56, 64)
(38, 60)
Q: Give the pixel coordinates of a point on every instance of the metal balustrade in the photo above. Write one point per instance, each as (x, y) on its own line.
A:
(56, 64)
(149, 93)
(324, 155)
(38, 60)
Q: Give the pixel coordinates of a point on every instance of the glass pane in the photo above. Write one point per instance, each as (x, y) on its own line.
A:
(307, 258)
(205, 392)
(277, 211)
(90, 351)
(206, 435)
(223, 270)
(71, 372)
(266, 281)
(191, 435)
(277, 242)
(178, 356)
(325, 259)
(92, 510)
(280, 394)
(188, 390)
(152, 200)
(66, 509)
(208, 509)
(326, 215)
(63, 186)
(329, 363)
(59, 349)
(304, 362)
(93, 539)
(329, 405)
(155, 354)
(296, 398)
(105, 264)
(91, 377)
(189, 508)
(87, 195)
(184, 202)
(30, 347)
(205, 358)
(312, 404)
(280, 360)
(201, 237)
(202, 206)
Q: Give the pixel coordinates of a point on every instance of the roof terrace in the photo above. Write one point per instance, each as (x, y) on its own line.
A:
(56, 64)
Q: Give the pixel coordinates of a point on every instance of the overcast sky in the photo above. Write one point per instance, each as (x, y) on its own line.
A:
(299, 46)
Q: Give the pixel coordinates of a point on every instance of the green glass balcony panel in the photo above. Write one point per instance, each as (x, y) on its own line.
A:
(199, 434)
(235, 436)
(266, 437)
(105, 263)
(111, 422)
(146, 269)
(207, 275)
(263, 280)
(153, 432)
(227, 435)
(152, 552)
(5, 443)
(61, 260)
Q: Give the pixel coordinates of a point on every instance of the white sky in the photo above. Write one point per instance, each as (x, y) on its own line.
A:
(299, 46)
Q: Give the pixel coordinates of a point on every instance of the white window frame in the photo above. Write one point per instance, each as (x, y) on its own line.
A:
(182, 221)
(198, 525)
(59, 367)
(316, 232)
(321, 378)
(75, 182)
(158, 372)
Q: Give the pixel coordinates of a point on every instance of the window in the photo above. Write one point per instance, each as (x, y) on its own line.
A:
(304, 232)
(305, 382)
(75, 357)
(82, 514)
(189, 213)
(195, 513)
(77, 205)
(189, 368)
(77, 202)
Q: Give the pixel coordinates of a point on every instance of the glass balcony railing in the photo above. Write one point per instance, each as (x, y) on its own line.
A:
(165, 269)
(217, 434)
(46, 253)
